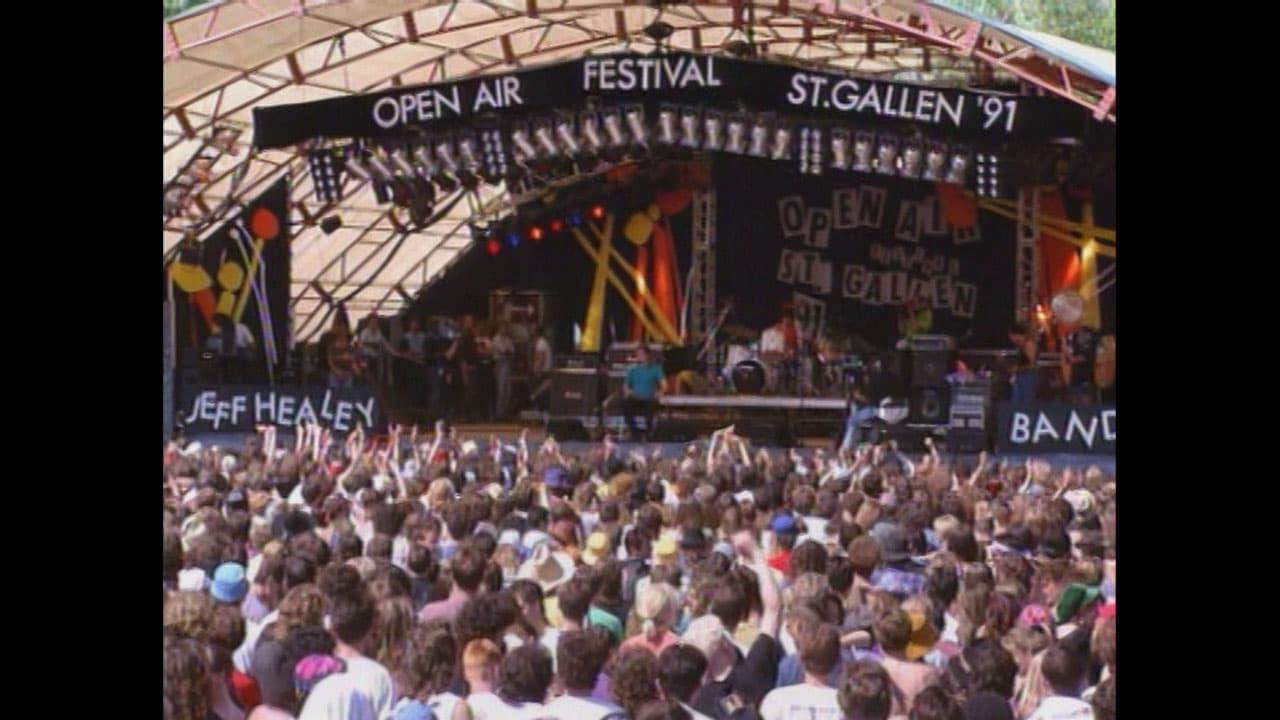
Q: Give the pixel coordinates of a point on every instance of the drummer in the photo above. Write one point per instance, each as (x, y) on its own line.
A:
(780, 343)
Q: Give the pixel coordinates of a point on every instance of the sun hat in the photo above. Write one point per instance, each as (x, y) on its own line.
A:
(665, 550)
(598, 547)
(549, 569)
(1073, 599)
(193, 579)
(923, 636)
(229, 583)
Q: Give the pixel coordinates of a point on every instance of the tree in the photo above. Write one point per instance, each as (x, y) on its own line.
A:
(1090, 22)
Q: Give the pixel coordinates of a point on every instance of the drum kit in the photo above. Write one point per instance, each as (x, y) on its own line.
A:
(748, 371)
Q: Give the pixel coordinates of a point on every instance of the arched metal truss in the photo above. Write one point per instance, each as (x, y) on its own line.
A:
(223, 60)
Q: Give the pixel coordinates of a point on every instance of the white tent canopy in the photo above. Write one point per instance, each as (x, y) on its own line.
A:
(223, 60)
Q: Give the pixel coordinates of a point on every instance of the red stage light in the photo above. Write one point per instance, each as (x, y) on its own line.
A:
(493, 247)
(597, 212)
(556, 225)
(535, 233)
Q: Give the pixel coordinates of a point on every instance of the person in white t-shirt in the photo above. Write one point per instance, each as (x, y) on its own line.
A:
(481, 665)
(813, 699)
(351, 620)
(580, 657)
(522, 687)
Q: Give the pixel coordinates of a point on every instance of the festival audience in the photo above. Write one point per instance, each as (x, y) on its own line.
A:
(426, 578)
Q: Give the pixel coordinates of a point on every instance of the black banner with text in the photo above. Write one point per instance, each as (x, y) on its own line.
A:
(847, 253)
(675, 77)
(241, 408)
(1085, 429)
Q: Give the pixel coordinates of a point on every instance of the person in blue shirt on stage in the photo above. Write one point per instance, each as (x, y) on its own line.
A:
(641, 390)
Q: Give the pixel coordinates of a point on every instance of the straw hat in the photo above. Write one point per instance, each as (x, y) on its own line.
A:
(923, 636)
(598, 547)
(666, 551)
(549, 569)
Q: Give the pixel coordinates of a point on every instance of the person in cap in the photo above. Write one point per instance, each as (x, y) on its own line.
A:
(893, 633)
(898, 574)
(786, 531)
(229, 584)
(598, 548)
(546, 567)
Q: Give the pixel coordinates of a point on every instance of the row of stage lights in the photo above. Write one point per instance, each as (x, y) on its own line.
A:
(613, 134)
(510, 232)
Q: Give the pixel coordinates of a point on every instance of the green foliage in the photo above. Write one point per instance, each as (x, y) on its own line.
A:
(1090, 22)
(177, 7)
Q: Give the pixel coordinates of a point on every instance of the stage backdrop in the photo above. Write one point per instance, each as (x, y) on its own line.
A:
(848, 250)
(239, 272)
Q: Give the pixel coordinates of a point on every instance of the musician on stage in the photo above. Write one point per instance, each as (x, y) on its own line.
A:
(873, 385)
(1024, 371)
(780, 344)
(915, 318)
(1079, 352)
(641, 390)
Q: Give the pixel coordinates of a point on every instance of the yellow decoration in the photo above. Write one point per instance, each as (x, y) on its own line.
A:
(1089, 271)
(230, 275)
(593, 328)
(189, 278)
(639, 228)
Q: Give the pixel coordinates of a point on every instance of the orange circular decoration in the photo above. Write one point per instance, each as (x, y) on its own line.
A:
(264, 224)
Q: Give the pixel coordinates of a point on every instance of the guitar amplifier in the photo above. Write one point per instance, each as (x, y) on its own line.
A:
(930, 343)
(575, 393)
(578, 362)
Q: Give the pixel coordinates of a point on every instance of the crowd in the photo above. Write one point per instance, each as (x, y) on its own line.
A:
(408, 577)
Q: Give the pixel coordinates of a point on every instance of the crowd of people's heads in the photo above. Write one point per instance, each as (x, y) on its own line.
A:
(307, 580)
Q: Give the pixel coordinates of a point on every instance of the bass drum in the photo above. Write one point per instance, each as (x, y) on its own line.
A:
(752, 377)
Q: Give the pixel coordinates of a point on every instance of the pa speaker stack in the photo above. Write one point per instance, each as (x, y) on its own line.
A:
(928, 361)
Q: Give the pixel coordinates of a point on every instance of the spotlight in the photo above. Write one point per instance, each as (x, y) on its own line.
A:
(330, 224)
(467, 149)
(933, 161)
(480, 233)
(513, 238)
(667, 121)
(493, 247)
(689, 129)
(357, 168)
(657, 31)
(556, 226)
(429, 167)
(597, 212)
(545, 141)
(379, 165)
(535, 233)
(737, 132)
(740, 48)
(402, 164)
(781, 149)
(520, 139)
(590, 125)
(495, 160)
(840, 157)
(712, 131)
(613, 128)
(564, 133)
(887, 156)
(988, 179)
(811, 151)
(862, 152)
(959, 168)
(444, 151)
(635, 123)
(575, 219)
(759, 139)
(909, 163)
